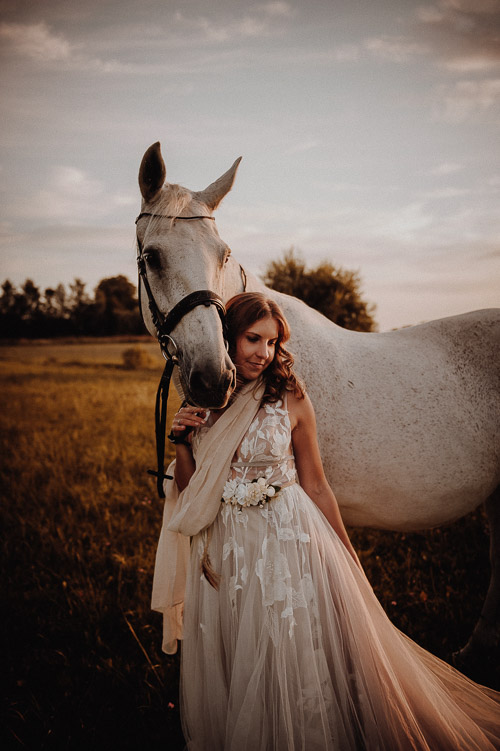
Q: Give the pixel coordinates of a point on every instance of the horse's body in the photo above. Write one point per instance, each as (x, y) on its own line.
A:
(408, 421)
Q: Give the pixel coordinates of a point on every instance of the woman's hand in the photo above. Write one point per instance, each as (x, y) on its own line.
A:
(186, 419)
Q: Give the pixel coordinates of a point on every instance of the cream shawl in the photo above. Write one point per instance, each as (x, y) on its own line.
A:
(187, 513)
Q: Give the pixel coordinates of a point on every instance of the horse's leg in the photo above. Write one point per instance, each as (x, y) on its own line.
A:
(480, 656)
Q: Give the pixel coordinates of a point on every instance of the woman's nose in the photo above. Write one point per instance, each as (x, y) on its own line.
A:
(262, 350)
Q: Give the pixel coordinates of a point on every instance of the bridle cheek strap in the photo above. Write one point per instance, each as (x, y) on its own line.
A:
(163, 331)
(164, 325)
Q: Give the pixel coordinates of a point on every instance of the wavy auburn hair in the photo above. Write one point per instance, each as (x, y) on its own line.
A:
(247, 308)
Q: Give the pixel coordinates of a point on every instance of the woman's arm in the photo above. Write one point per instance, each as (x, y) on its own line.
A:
(186, 417)
(184, 465)
(310, 467)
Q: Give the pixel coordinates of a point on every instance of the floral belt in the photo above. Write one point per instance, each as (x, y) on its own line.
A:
(251, 492)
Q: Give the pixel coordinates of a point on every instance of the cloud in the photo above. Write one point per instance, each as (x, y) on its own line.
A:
(263, 20)
(70, 196)
(447, 168)
(494, 253)
(394, 49)
(39, 44)
(444, 193)
(36, 42)
(277, 8)
(50, 255)
(346, 53)
(302, 146)
(463, 36)
(463, 33)
(468, 98)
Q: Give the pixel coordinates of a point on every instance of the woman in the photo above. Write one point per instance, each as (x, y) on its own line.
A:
(285, 645)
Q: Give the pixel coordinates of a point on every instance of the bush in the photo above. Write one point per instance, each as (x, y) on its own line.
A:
(136, 358)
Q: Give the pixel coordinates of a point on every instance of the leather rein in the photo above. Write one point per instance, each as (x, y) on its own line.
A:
(164, 325)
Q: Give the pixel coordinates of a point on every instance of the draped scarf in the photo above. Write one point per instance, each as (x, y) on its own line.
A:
(194, 509)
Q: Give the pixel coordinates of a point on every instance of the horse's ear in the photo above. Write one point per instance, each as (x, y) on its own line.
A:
(215, 192)
(152, 172)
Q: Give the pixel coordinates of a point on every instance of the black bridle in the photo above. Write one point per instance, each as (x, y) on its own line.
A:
(164, 325)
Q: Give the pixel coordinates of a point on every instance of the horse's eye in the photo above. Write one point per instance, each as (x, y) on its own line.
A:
(151, 257)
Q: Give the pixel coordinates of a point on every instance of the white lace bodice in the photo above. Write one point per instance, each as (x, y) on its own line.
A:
(266, 449)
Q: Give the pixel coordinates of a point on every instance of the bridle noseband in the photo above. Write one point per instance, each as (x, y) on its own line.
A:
(164, 325)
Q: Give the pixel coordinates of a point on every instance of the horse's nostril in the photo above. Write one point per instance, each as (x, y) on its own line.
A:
(196, 380)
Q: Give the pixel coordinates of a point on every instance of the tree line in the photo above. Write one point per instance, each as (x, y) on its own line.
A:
(29, 312)
(113, 309)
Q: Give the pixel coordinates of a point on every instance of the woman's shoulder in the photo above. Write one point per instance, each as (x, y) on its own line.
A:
(299, 408)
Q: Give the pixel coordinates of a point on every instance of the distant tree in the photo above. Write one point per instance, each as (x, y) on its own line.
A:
(49, 307)
(330, 290)
(77, 306)
(32, 298)
(27, 312)
(116, 307)
(60, 300)
(9, 318)
(78, 296)
(56, 318)
(8, 296)
(21, 311)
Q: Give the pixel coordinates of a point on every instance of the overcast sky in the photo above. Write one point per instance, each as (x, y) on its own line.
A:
(369, 131)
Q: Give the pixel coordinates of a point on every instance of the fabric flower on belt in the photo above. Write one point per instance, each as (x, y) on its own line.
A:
(254, 493)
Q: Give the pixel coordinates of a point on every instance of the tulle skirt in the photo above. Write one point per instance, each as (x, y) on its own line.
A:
(295, 652)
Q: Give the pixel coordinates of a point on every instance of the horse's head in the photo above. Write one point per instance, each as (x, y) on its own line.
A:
(181, 257)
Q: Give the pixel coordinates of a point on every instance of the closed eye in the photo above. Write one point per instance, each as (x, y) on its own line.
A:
(253, 338)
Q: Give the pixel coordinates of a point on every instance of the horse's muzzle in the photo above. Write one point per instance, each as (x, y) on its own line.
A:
(206, 391)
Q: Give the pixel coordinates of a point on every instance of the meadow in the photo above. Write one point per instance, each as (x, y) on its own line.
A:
(82, 665)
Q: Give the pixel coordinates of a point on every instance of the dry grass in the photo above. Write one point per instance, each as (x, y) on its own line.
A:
(81, 519)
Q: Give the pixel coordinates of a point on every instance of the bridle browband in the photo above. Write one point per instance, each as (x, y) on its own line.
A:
(164, 325)
(163, 216)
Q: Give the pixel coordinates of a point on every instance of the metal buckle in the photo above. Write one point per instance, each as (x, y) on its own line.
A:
(166, 342)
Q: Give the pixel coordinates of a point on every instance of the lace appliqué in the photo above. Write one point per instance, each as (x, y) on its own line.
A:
(264, 460)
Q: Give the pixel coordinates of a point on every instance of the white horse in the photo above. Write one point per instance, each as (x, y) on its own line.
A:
(408, 421)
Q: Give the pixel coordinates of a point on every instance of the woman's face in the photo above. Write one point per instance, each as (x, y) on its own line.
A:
(255, 348)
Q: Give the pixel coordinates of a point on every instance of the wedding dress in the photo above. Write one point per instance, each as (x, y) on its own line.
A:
(293, 651)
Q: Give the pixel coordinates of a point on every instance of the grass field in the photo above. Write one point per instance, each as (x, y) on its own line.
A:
(81, 658)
